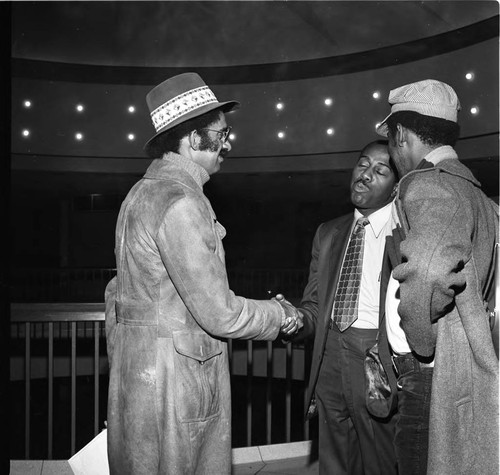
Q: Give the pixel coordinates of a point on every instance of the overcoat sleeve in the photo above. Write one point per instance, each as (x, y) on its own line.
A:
(191, 252)
(436, 248)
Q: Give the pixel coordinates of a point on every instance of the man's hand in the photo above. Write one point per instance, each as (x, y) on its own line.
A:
(293, 318)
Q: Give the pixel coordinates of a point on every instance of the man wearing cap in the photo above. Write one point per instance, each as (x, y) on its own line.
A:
(170, 311)
(438, 328)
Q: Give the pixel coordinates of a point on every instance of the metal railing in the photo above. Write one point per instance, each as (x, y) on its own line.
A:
(55, 341)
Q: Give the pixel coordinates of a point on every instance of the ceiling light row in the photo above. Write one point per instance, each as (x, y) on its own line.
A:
(280, 105)
(78, 135)
(280, 134)
(27, 103)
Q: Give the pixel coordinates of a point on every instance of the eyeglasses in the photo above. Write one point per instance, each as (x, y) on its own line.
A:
(224, 133)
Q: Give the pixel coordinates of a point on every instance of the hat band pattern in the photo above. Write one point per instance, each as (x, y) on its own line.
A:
(181, 105)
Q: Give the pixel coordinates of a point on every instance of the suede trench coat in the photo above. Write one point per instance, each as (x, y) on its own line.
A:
(450, 228)
(169, 313)
(328, 249)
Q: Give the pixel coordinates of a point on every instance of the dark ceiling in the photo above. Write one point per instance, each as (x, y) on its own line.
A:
(134, 37)
(227, 33)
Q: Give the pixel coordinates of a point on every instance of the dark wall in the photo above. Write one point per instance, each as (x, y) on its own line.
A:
(270, 218)
(34, 229)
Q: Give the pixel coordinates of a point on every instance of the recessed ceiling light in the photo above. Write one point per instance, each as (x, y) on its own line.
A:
(330, 131)
(376, 95)
(27, 104)
(281, 135)
(26, 133)
(328, 101)
(474, 110)
(131, 109)
(279, 106)
(232, 136)
(79, 108)
(469, 76)
(79, 136)
(131, 137)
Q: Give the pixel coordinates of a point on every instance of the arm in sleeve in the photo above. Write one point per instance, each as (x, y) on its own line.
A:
(309, 304)
(436, 248)
(188, 246)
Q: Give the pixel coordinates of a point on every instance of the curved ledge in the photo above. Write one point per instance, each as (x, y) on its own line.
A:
(331, 66)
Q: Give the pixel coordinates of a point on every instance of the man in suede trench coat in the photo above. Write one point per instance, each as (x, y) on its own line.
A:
(170, 309)
(449, 229)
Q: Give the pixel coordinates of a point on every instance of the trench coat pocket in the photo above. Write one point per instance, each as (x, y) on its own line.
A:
(197, 373)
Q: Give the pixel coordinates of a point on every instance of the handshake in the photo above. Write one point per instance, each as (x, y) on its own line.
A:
(292, 320)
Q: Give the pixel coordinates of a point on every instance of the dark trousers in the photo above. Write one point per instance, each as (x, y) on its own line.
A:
(351, 441)
(412, 425)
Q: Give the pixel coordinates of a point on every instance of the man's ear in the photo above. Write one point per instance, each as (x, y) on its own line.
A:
(401, 135)
(194, 140)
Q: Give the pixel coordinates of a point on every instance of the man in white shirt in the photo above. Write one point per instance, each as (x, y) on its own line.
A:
(351, 441)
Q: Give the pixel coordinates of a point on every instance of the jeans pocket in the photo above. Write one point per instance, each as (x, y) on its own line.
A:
(413, 385)
(197, 372)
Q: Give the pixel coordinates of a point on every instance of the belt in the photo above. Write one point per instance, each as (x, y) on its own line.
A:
(408, 362)
(333, 326)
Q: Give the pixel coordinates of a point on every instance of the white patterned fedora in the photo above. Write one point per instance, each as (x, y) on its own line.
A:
(427, 97)
(181, 98)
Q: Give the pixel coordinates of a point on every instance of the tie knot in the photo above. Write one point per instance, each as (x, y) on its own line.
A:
(360, 224)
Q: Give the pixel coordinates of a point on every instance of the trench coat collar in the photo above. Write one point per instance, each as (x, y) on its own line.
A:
(445, 158)
(439, 154)
(160, 168)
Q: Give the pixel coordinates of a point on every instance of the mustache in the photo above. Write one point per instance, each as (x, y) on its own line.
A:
(361, 180)
(223, 153)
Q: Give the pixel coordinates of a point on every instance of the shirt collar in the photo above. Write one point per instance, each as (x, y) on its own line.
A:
(378, 219)
(197, 172)
(444, 152)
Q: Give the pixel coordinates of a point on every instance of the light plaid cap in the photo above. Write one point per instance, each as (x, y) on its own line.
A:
(427, 97)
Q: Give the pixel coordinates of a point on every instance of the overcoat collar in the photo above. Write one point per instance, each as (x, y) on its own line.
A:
(162, 168)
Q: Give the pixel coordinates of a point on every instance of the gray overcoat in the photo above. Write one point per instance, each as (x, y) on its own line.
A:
(451, 228)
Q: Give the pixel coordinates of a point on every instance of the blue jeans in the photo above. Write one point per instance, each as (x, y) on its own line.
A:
(412, 423)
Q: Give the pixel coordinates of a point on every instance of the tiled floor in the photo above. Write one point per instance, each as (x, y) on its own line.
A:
(40, 467)
(285, 459)
(282, 459)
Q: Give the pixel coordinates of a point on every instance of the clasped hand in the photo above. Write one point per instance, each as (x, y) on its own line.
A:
(293, 321)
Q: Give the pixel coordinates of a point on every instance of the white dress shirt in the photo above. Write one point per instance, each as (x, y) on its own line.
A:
(395, 334)
(369, 292)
